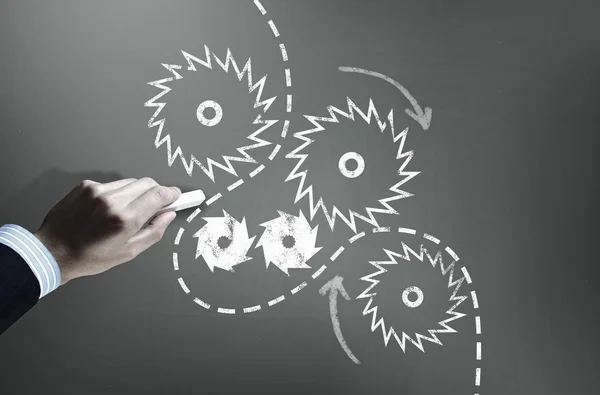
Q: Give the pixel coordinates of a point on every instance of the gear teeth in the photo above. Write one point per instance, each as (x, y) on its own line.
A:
(259, 103)
(208, 242)
(368, 116)
(379, 322)
(296, 256)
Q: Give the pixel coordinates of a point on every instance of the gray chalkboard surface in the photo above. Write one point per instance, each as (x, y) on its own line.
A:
(402, 194)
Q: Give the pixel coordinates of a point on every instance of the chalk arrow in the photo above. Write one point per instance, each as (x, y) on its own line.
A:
(333, 287)
(422, 116)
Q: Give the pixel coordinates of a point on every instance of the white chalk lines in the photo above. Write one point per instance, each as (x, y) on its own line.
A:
(209, 60)
(371, 308)
(284, 55)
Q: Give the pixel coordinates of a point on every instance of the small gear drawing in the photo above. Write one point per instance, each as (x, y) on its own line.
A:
(377, 321)
(210, 61)
(223, 242)
(331, 211)
(288, 242)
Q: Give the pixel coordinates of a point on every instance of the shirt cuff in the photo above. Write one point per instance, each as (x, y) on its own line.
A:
(40, 261)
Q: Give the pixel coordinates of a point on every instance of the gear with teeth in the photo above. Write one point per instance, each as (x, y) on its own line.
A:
(288, 242)
(223, 242)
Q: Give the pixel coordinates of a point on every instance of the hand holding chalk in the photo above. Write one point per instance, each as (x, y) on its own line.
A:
(99, 226)
(186, 200)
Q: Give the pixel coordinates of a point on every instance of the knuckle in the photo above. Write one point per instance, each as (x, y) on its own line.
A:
(105, 203)
(88, 188)
(158, 235)
(149, 181)
(161, 193)
(120, 220)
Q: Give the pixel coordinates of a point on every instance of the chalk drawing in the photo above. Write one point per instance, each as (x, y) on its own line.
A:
(334, 287)
(210, 61)
(343, 164)
(332, 212)
(423, 117)
(410, 290)
(423, 256)
(215, 119)
(288, 242)
(223, 242)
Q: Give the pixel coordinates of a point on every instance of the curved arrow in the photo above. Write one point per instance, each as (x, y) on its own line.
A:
(423, 117)
(335, 286)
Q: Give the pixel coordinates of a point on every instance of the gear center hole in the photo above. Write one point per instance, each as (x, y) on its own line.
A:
(209, 113)
(413, 297)
(351, 164)
(288, 241)
(223, 242)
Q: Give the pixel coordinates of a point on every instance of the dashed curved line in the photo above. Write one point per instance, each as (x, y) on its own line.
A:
(260, 7)
(276, 300)
(407, 231)
(431, 238)
(452, 253)
(337, 253)
(178, 237)
(202, 303)
(175, 261)
(213, 199)
(193, 215)
(318, 272)
(382, 229)
(252, 309)
(183, 285)
(257, 170)
(298, 288)
(284, 54)
(286, 126)
(466, 274)
(275, 152)
(356, 237)
(273, 28)
(474, 299)
(235, 184)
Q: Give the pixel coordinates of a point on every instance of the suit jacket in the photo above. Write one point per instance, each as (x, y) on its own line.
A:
(19, 287)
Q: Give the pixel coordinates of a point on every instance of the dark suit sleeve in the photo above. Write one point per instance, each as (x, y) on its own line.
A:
(19, 288)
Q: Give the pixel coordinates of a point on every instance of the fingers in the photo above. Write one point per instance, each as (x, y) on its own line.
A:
(131, 191)
(149, 202)
(151, 234)
(112, 186)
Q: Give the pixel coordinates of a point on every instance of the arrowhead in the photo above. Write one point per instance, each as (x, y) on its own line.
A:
(423, 118)
(334, 286)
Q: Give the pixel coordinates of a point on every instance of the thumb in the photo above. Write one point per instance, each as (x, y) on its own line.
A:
(152, 233)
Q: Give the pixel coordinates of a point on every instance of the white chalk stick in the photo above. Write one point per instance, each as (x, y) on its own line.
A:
(186, 200)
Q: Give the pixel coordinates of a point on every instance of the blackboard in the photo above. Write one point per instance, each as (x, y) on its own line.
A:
(453, 146)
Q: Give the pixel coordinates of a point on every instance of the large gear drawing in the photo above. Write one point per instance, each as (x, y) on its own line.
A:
(288, 242)
(423, 256)
(330, 211)
(209, 60)
(223, 242)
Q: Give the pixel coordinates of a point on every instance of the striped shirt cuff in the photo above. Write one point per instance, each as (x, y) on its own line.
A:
(40, 261)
